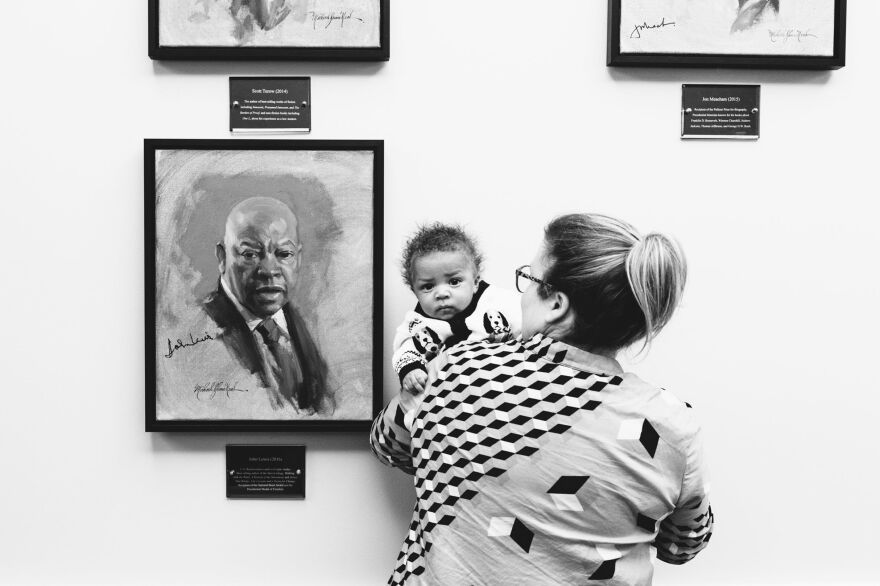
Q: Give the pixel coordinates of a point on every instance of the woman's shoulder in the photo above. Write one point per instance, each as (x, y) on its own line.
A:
(472, 354)
(673, 418)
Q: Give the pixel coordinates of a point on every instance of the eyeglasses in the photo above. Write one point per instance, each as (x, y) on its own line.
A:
(523, 275)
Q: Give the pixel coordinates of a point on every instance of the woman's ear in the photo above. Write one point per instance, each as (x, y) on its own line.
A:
(558, 306)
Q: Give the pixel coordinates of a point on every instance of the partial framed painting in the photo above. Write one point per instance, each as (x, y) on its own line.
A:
(263, 281)
(755, 34)
(295, 30)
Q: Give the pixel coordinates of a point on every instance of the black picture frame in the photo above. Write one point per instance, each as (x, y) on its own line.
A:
(154, 146)
(615, 58)
(159, 52)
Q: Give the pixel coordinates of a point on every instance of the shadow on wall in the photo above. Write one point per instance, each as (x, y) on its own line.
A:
(732, 76)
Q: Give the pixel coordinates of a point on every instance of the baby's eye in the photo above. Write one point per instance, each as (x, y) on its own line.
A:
(455, 281)
(426, 287)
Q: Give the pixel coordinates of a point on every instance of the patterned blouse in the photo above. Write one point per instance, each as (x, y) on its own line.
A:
(538, 463)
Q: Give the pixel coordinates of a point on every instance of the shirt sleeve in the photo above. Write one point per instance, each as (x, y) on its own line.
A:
(686, 532)
(390, 437)
(406, 356)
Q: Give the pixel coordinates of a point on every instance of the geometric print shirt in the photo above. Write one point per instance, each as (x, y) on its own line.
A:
(537, 463)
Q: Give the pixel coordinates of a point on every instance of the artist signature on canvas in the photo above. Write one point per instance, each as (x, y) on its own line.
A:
(637, 31)
(325, 20)
(793, 33)
(210, 390)
(179, 344)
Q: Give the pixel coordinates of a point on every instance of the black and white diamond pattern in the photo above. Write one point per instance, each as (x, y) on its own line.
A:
(646, 523)
(609, 556)
(564, 492)
(641, 430)
(498, 410)
(514, 529)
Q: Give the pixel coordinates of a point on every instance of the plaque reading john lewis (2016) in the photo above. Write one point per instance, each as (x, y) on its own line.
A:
(720, 111)
(265, 471)
(270, 104)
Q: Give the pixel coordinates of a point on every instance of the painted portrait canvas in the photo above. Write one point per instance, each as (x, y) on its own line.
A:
(262, 284)
(269, 29)
(800, 33)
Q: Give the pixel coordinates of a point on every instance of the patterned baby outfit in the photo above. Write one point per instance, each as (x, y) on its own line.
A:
(538, 463)
(493, 314)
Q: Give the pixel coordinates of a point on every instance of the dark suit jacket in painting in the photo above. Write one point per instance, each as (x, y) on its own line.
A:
(240, 341)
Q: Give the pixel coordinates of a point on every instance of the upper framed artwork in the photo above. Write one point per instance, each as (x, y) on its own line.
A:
(292, 30)
(263, 284)
(754, 34)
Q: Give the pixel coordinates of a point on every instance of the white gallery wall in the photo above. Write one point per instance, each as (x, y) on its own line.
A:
(496, 113)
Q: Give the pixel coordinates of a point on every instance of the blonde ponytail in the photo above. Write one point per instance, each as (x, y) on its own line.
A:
(623, 287)
(657, 271)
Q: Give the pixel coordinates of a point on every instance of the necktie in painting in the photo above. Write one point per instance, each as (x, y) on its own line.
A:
(286, 369)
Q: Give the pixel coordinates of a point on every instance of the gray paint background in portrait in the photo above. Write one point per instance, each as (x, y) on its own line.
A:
(331, 193)
(704, 26)
(200, 23)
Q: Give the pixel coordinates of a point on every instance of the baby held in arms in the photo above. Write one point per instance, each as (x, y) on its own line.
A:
(442, 266)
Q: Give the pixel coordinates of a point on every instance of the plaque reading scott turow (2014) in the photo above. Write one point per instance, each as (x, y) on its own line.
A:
(270, 104)
(720, 111)
(261, 471)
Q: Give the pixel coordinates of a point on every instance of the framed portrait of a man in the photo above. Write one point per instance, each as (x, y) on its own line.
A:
(757, 34)
(263, 281)
(295, 30)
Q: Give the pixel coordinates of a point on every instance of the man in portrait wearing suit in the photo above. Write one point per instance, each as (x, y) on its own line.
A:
(259, 260)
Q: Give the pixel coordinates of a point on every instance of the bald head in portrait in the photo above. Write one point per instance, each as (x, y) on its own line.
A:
(259, 260)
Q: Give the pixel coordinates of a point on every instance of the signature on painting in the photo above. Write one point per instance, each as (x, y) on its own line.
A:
(211, 389)
(637, 31)
(325, 20)
(179, 344)
(785, 35)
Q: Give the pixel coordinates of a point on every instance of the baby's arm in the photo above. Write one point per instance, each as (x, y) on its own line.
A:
(391, 435)
(408, 362)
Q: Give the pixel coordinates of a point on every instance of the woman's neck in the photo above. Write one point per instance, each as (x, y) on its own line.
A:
(561, 335)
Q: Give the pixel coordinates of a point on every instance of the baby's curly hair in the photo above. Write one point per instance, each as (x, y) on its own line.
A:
(438, 237)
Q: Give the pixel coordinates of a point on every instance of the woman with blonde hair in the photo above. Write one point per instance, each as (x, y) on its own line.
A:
(539, 460)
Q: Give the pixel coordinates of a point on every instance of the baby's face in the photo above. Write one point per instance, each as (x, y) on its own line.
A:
(444, 283)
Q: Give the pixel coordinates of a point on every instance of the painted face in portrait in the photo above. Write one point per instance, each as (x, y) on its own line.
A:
(260, 255)
(444, 283)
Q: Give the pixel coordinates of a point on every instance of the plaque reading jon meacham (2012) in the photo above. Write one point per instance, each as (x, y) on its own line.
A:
(259, 472)
(270, 104)
(720, 111)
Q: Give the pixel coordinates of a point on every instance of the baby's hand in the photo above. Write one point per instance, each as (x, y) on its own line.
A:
(414, 381)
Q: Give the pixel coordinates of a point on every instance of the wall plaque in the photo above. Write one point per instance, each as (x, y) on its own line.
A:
(261, 471)
(720, 111)
(270, 104)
